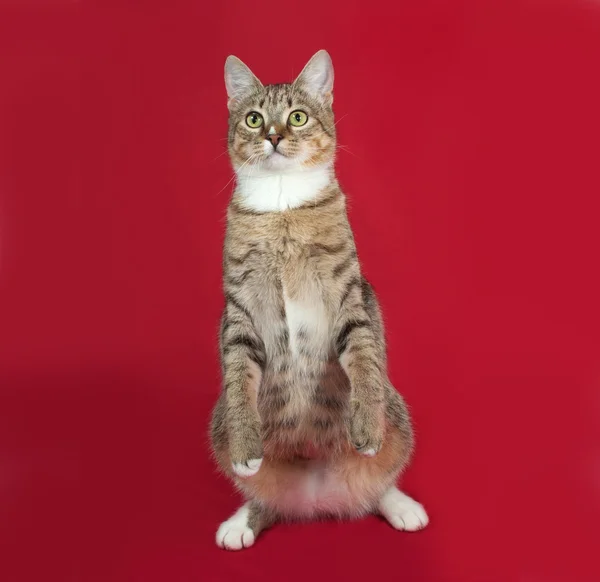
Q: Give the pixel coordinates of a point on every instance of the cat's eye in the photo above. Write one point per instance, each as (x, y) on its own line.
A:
(298, 118)
(254, 120)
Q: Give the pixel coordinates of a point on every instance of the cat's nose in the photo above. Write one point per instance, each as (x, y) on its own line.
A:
(275, 138)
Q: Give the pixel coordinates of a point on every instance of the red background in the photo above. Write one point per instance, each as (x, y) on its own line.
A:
(473, 138)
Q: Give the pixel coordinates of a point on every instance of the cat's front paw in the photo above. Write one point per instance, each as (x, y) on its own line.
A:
(367, 428)
(248, 468)
(246, 451)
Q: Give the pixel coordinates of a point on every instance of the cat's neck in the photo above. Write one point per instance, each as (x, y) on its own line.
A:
(271, 191)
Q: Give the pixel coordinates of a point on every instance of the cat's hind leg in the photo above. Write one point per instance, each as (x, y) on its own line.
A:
(401, 511)
(242, 528)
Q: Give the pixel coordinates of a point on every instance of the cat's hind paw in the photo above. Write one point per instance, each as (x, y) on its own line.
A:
(402, 512)
(234, 534)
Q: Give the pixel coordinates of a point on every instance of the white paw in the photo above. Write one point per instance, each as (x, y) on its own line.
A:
(234, 534)
(247, 469)
(403, 512)
(231, 536)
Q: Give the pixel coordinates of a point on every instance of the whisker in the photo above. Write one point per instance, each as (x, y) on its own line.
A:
(340, 119)
(221, 154)
(346, 149)
(252, 157)
(324, 131)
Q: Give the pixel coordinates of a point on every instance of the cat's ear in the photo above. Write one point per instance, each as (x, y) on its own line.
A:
(317, 76)
(239, 80)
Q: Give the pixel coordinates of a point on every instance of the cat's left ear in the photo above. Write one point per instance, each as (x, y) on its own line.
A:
(317, 76)
(239, 80)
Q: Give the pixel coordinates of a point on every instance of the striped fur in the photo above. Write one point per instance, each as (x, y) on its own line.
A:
(302, 340)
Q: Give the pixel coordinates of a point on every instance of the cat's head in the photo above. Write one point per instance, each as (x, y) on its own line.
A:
(279, 128)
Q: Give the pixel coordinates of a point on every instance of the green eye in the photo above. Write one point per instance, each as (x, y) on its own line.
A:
(254, 120)
(298, 118)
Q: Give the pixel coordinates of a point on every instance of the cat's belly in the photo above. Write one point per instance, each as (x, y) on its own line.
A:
(348, 486)
(345, 485)
(319, 489)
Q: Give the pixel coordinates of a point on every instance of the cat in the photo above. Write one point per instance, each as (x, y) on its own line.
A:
(308, 424)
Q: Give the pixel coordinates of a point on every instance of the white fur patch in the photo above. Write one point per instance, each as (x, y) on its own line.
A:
(271, 190)
(344, 363)
(247, 470)
(402, 511)
(267, 148)
(234, 534)
(310, 316)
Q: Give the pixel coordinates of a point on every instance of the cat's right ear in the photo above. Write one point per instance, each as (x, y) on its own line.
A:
(239, 80)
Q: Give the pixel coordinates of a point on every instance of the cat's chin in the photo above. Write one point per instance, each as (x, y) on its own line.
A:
(279, 162)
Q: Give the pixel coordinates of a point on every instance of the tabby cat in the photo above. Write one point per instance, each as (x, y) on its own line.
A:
(308, 424)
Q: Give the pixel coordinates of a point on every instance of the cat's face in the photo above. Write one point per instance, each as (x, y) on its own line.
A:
(280, 128)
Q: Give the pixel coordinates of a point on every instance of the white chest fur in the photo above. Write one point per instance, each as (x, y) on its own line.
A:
(268, 191)
(308, 324)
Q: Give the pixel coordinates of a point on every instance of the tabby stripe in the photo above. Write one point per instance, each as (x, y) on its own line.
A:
(240, 260)
(231, 300)
(242, 339)
(342, 338)
(282, 312)
(323, 202)
(283, 367)
(329, 402)
(329, 249)
(343, 266)
(230, 322)
(243, 210)
(284, 338)
(288, 423)
(231, 280)
(276, 399)
(283, 424)
(354, 282)
(367, 346)
(367, 289)
(224, 327)
(328, 129)
(256, 350)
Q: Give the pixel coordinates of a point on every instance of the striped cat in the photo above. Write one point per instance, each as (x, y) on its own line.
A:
(308, 424)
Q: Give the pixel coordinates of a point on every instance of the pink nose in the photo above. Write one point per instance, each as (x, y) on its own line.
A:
(275, 138)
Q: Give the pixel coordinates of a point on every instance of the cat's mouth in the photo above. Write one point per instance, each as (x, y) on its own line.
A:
(276, 160)
(276, 154)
